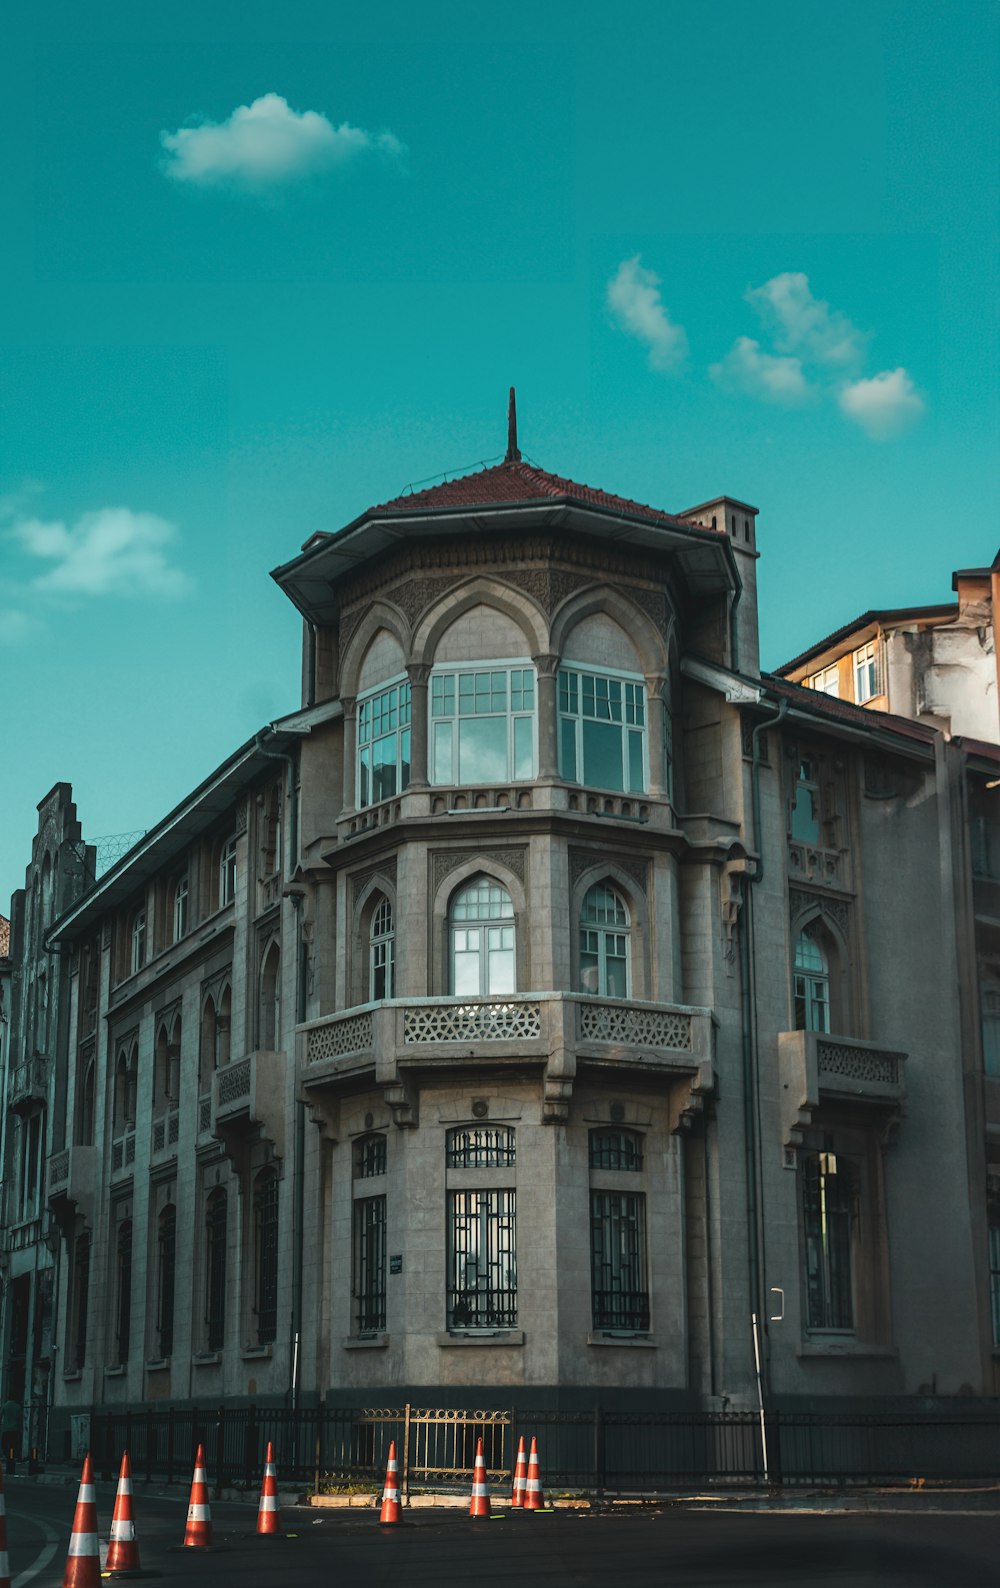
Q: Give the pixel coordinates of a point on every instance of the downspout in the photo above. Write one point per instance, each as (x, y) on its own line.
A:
(310, 699)
(748, 989)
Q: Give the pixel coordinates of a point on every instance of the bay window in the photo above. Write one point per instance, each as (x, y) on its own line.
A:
(483, 724)
(602, 730)
(383, 743)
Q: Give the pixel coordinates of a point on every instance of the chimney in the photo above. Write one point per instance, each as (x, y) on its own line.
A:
(738, 522)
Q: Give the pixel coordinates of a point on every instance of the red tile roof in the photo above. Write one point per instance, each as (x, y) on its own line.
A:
(819, 704)
(4, 937)
(517, 482)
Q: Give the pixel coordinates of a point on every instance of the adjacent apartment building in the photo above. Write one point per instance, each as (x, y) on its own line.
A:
(549, 993)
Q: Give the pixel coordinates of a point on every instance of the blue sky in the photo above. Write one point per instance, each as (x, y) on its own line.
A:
(262, 267)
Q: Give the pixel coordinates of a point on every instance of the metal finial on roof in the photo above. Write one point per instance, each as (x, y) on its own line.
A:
(513, 456)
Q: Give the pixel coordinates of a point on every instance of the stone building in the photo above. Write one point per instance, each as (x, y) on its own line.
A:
(518, 1016)
(34, 1102)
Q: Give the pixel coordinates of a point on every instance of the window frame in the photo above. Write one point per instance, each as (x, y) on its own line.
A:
(603, 933)
(866, 671)
(382, 949)
(486, 925)
(571, 717)
(137, 929)
(489, 1217)
(823, 1301)
(368, 1265)
(180, 907)
(226, 871)
(456, 716)
(619, 1252)
(401, 732)
(811, 987)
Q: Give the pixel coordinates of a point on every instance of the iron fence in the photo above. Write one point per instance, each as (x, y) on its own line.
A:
(603, 1452)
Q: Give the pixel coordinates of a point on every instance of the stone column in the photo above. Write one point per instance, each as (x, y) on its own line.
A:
(546, 667)
(419, 674)
(656, 706)
(350, 705)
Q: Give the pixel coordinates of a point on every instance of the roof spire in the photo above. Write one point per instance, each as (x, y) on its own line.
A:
(513, 455)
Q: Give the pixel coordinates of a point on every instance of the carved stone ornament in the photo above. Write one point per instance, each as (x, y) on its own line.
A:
(838, 910)
(385, 871)
(240, 816)
(446, 861)
(583, 860)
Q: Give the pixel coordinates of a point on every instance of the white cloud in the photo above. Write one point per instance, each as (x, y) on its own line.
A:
(775, 378)
(634, 300)
(112, 551)
(266, 143)
(883, 406)
(14, 626)
(804, 325)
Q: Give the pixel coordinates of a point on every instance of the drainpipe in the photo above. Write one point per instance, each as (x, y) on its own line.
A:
(310, 699)
(748, 989)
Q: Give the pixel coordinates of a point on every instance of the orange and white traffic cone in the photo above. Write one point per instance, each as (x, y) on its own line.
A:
(534, 1499)
(123, 1551)
(480, 1503)
(520, 1478)
(4, 1557)
(268, 1515)
(83, 1562)
(390, 1494)
(198, 1531)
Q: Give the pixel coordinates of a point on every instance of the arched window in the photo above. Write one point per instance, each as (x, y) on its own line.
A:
(123, 1294)
(161, 1070)
(166, 1255)
(265, 1255)
(604, 943)
(481, 925)
(269, 1021)
(223, 1024)
(829, 1206)
(209, 1039)
(382, 954)
(216, 1211)
(126, 1083)
(614, 1148)
(811, 977)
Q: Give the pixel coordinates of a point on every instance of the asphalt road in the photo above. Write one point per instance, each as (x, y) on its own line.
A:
(681, 1549)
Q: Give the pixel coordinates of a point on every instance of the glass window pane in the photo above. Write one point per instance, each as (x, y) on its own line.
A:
(617, 976)
(589, 973)
(636, 770)
(602, 755)
(466, 972)
(442, 753)
(567, 750)
(501, 960)
(524, 757)
(482, 752)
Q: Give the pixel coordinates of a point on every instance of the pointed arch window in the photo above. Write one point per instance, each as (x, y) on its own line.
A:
(811, 979)
(269, 1022)
(481, 925)
(382, 954)
(604, 943)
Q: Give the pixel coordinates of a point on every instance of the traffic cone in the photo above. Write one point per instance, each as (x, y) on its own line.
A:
(480, 1504)
(268, 1515)
(390, 1494)
(198, 1531)
(123, 1551)
(83, 1562)
(520, 1478)
(534, 1500)
(4, 1558)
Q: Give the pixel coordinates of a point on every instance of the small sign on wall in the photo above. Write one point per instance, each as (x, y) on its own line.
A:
(396, 1263)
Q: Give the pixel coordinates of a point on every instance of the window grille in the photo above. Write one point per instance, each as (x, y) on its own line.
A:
(480, 1147)
(166, 1263)
(265, 1208)
(370, 1157)
(602, 731)
(604, 943)
(829, 1200)
(615, 1149)
(483, 725)
(215, 1268)
(382, 954)
(620, 1294)
(123, 1308)
(482, 1274)
(383, 744)
(369, 1264)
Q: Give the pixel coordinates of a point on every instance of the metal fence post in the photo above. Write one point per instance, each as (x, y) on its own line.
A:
(406, 1455)
(599, 1475)
(318, 1452)
(250, 1446)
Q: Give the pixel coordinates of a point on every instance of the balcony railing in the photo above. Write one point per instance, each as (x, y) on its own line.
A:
(249, 1092)
(166, 1131)
(28, 1082)
(820, 1066)
(72, 1176)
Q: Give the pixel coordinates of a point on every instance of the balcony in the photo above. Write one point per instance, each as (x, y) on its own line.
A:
(165, 1134)
(818, 1068)
(28, 1084)
(247, 1094)
(554, 1032)
(72, 1183)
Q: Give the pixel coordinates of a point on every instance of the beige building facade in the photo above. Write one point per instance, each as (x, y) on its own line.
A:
(533, 1006)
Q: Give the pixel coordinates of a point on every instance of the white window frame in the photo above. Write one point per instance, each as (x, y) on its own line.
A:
(382, 950)
(826, 681)
(569, 719)
(866, 666)
(451, 720)
(181, 895)
(491, 928)
(603, 934)
(367, 739)
(227, 871)
(137, 940)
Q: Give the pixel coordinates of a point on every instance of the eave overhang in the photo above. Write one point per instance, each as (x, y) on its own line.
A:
(703, 556)
(187, 822)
